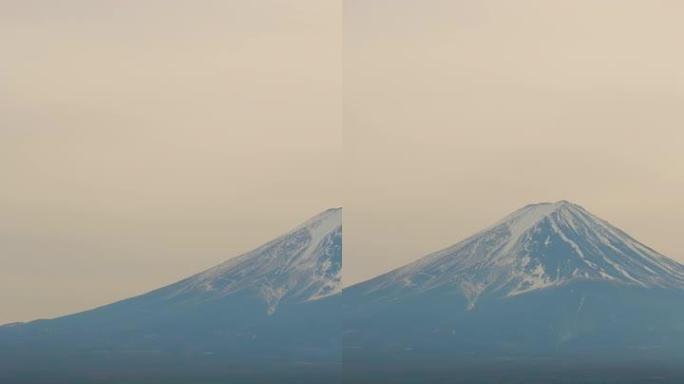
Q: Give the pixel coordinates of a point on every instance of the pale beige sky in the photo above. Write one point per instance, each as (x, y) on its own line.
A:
(459, 112)
(143, 141)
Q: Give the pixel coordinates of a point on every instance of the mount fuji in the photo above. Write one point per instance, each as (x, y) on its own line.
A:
(270, 314)
(549, 292)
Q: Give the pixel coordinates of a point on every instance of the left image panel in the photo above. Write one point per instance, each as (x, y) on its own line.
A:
(172, 182)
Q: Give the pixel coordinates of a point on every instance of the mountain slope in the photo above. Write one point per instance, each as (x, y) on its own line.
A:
(538, 246)
(271, 312)
(550, 281)
(302, 265)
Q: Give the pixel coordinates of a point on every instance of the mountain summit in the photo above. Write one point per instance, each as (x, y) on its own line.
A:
(550, 291)
(538, 246)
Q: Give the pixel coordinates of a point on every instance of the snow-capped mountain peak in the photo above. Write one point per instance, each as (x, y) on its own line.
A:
(538, 246)
(302, 265)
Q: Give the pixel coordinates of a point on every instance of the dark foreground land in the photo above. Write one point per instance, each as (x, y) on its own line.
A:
(516, 372)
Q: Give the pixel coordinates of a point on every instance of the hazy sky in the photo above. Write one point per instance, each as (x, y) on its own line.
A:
(459, 112)
(143, 141)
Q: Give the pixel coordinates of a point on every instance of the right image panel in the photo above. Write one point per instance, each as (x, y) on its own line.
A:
(514, 182)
